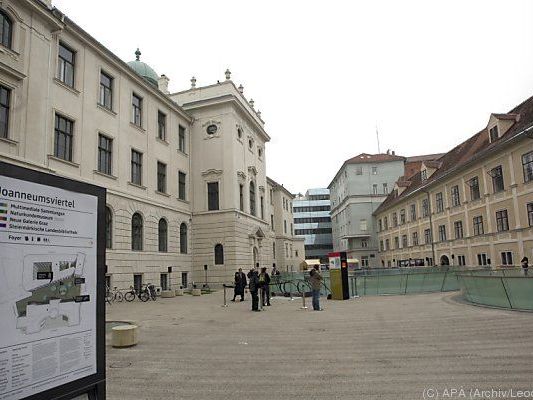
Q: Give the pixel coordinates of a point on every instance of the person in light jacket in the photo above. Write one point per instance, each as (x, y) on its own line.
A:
(315, 280)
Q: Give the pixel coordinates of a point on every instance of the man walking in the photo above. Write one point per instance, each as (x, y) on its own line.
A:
(264, 283)
(316, 283)
(254, 288)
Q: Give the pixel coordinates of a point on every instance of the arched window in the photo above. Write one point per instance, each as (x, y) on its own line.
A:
(136, 232)
(108, 228)
(252, 198)
(6, 29)
(183, 238)
(219, 254)
(163, 234)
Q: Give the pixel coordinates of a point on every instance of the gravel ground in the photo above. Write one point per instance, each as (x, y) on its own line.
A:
(386, 347)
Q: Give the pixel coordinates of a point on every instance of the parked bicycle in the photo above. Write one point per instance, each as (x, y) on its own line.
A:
(115, 294)
(145, 293)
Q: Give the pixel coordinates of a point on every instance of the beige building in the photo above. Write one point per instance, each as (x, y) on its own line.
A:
(473, 206)
(287, 249)
(185, 173)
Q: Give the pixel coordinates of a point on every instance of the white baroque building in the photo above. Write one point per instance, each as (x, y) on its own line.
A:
(185, 173)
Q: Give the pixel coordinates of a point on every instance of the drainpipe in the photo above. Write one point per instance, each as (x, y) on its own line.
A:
(431, 227)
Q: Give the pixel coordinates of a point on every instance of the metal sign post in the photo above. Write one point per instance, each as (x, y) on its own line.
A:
(225, 298)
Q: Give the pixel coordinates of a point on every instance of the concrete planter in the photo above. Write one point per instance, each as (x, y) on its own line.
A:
(179, 292)
(167, 293)
(124, 336)
(196, 292)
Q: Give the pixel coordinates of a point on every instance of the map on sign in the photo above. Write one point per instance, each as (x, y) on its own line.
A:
(54, 284)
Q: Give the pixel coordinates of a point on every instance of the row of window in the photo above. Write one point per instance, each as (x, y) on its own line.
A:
(359, 170)
(309, 220)
(137, 233)
(319, 247)
(506, 258)
(318, 197)
(475, 194)
(502, 225)
(240, 134)
(311, 209)
(312, 231)
(65, 74)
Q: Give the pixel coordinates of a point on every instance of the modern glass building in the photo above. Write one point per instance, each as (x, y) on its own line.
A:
(313, 222)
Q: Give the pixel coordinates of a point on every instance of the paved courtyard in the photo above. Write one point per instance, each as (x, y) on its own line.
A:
(389, 347)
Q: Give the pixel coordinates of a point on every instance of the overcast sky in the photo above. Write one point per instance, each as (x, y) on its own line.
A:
(324, 73)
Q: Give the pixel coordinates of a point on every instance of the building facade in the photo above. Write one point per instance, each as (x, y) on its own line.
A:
(471, 207)
(312, 221)
(288, 250)
(359, 187)
(185, 173)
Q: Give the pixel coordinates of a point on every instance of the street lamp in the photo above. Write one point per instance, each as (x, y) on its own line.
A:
(205, 269)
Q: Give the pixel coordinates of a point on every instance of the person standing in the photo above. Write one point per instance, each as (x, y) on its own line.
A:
(264, 283)
(316, 283)
(253, 286)
(240, 284)
(525, 265)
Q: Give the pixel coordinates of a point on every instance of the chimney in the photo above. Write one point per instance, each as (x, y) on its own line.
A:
(193, 82)
(393, 153)
(162, 83)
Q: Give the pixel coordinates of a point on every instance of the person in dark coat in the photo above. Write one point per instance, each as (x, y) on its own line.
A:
(525, 265)
(240, 284)
(264, 283)
(253, 285)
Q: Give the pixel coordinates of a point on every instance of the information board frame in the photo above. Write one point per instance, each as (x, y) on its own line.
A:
(94, 386)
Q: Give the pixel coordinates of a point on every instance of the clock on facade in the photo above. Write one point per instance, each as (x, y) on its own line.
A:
(211, 129)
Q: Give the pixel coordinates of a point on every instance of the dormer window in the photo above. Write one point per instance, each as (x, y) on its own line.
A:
(493, 133)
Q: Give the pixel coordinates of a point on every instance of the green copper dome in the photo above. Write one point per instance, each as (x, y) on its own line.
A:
(143, 69)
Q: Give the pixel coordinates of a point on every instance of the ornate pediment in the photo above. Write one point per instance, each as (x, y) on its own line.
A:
(212, 171)
(252, 170)
(257, 233)
(241, 175)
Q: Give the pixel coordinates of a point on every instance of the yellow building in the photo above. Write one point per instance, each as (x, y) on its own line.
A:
(473, 206)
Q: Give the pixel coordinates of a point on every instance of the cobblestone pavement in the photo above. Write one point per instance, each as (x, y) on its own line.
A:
(388, 347)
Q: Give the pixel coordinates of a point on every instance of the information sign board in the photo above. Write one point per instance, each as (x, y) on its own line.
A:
(52, 267)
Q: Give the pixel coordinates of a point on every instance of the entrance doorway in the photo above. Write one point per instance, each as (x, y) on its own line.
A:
(444, 260)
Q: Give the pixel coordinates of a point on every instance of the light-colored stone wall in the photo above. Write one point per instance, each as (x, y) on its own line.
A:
(29, 69)
(517, 194)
